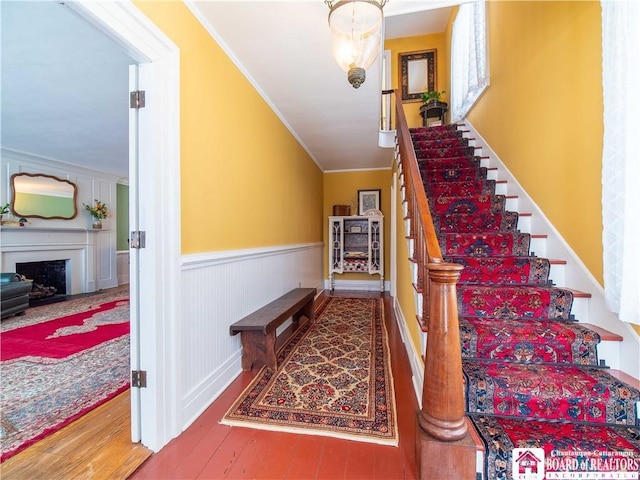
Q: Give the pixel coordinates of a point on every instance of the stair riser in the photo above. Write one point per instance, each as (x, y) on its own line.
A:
(524, 224)
(538, 246)
(610, 353)
(511, 204)
(556, 273)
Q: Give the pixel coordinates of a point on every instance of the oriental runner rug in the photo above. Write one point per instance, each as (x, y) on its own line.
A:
(533, 377)
(333, 379)
(60, 361)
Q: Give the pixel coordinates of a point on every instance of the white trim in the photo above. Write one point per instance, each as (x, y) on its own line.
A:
(205, 260)
(357, 285)
(49, 162)
(347, 170)
(159, 262)
(393, 231)
(415, 359)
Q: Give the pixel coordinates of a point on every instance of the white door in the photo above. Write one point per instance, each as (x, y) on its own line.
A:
(134, 257)
(154, 183)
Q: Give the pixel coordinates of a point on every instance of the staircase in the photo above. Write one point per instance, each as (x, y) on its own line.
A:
(533, 374)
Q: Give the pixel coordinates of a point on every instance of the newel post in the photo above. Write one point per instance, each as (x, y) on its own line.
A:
(444, 446)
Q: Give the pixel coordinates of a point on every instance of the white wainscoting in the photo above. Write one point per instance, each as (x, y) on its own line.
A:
(90, 254)
(122, 267)
(220, 288)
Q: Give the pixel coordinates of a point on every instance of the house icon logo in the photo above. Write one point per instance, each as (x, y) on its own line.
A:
(527, 464)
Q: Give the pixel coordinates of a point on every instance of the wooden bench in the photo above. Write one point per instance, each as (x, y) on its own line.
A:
(258, 330)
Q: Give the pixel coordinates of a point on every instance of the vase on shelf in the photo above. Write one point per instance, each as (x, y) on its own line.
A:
(96, 224)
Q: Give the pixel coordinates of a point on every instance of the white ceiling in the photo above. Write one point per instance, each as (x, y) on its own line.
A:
(65, 84)
(64, 88)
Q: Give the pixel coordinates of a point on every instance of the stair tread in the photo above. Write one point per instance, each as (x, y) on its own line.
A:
(625, 377)
(578, 293)
(555, 261)
(605, 335)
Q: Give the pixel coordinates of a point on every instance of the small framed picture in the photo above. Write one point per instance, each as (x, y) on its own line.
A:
(368, 200)
(356, 230)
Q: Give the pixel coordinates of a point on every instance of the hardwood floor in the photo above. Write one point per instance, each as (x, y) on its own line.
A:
(209, 450)
(98, 446)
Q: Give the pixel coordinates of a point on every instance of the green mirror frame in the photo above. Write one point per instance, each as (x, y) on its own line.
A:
(36, 195)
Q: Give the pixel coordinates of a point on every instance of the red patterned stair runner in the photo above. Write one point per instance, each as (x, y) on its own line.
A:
(532, 373)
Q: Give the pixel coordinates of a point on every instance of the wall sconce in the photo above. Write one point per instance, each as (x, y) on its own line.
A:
(356, 28)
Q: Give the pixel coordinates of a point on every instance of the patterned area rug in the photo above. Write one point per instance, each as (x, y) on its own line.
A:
(550, 392)
(44, 389)
(334, 379)
(528, 340)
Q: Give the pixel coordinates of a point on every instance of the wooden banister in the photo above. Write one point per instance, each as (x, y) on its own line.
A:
(443, 444)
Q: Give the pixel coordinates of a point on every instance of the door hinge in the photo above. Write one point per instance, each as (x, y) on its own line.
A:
(139, 378)
(136, 99)
(138, 239)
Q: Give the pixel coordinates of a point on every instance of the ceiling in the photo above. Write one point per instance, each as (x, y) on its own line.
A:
(65, 83)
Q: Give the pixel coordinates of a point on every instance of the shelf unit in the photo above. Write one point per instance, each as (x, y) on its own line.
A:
(356, 246)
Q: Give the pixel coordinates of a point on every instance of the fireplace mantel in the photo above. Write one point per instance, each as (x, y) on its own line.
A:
(90, 254)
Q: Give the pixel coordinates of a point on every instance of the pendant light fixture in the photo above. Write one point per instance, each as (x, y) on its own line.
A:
(356, 29)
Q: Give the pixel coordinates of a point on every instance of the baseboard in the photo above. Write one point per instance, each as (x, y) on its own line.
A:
(357, 285)
(415, 359)
(201, 397)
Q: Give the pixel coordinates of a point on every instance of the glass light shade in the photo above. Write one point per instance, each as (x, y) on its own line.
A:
(355, 27)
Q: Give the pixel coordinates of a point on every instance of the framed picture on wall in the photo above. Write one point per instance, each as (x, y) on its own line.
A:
(368, 200)
(417, 74)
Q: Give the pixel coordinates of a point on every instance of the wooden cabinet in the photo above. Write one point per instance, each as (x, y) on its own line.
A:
(356, 246)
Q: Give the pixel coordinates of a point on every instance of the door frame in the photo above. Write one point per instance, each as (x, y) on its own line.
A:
(155, 176)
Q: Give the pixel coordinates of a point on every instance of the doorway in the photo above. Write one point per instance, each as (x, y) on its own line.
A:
(154, 140)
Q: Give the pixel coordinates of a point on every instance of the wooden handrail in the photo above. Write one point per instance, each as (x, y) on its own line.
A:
(443, 431)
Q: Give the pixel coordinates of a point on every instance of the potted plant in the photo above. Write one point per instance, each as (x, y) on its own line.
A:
(432, 97)
(4, 209)
(433, 106)
(99, 211)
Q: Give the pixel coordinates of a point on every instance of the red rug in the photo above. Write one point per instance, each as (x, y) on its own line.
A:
(444, 152)
(468, 205)
(464, 189)
(479, 222)
(506, 301)
(75, 357)
(517, 270)
(528, 340)
(549, 392)
(61, 337)
(433, 174)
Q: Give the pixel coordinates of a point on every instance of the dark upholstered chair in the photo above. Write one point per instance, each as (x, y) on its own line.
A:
(14, 294)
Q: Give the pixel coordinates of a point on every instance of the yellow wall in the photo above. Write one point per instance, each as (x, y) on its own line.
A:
(246, 182)
(542, 113)
(412, 44)
(404, 284)
(341, 188)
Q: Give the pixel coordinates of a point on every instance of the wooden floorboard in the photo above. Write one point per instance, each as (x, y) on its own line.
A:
(209, 450)
(96, 446)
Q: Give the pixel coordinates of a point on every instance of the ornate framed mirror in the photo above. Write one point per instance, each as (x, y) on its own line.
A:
(417, 74)
(36, 195)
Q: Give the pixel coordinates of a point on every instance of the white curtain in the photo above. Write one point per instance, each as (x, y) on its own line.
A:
(621, 157)
(469, 67)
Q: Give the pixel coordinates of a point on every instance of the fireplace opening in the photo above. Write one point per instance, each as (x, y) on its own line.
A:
(49, 280)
